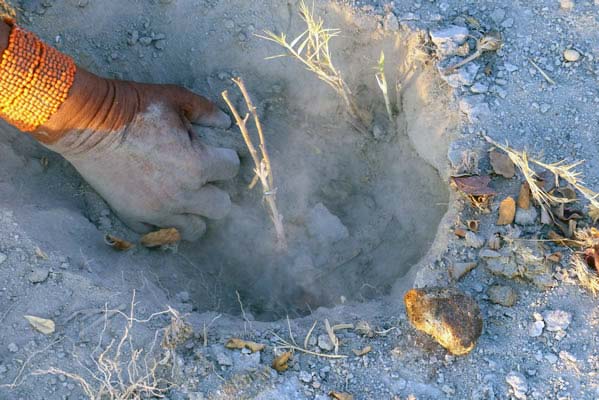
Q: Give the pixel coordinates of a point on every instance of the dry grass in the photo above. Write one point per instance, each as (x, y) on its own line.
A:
(311, 48)
(7, 10)
(560, 170)
(381, 80)
(123, 371)
(490, 42)
(263, 168)
(588, 279)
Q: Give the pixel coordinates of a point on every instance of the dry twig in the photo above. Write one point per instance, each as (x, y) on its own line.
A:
(262, 163)
(489, 42)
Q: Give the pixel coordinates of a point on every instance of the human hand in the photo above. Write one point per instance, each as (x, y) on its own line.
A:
(134, 145)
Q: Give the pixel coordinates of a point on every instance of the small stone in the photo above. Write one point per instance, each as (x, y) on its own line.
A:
(229, 24)
(502, 295)
(463, 77)
(536, 329)
(3, 257)
(508, 23)
(551, 358)
(146, 40)
(526, 217)
(571, 55)
(448, 315)
(449, 40)
(505, 269)
(518, 383)
(182, 297)
(324, 342)
(474, 240)
(13, 348)
(498, 15)
(160, 44)
(324, 226)
(38, 275)
(4, 370)
(223, 359)
(458, 270)
(479, 87)
(566, 5)
(474, 107)
(305, 376)
(557, 320)
(510, 67)
(544, 108)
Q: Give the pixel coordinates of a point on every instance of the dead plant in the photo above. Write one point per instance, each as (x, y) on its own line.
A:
(7, 10)
(123, 371)
(489, 42)
(381, 80)
(560, 170)
(311, 48)
(263, 168)
(588, 279)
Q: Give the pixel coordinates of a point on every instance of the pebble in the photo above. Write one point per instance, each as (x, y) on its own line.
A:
(551, 358)
(324, 226)
(3, 257)
(502, 295)
(566, 4)
(324, 342)
(305, 376)
(38, 275)
(571, 55)
(479, 87)
(463, 77)
(500, 268)
(458, 270)
(448, 40)
(518, 383)
(4, 370)
(557, 320)
(474, 240)
(526, 217)
(223, 359)
(146, 40)
(508, 23)
(536, 329)
(498, 15)
(474, 107)
(229, 24)
(450, 316)
(510, 67)
(183, 296)
(13, 348)
(544, 108)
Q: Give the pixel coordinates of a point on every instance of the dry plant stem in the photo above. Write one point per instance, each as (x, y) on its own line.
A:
(283, 344)
(588, 279)
(262, 164)
(547, 78)
(465, 61)
(558, 169)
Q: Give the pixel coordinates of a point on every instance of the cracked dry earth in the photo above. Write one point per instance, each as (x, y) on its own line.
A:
(539, 337)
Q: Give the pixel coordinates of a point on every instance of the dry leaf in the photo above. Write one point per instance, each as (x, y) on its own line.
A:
(502, 164)
(364, 351)
(244, 344)
(524, 196)
(459, 232)
(161, 238)
(341, 396)
(42, 325)
(507, 211)
(118, 243)
(594, 213)
(474, 185)
(473, 225)
(40, 253)
(280, 362)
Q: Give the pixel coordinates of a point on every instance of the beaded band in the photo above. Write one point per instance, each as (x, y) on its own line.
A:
(34, 80)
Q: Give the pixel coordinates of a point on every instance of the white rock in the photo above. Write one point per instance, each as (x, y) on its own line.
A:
(526, 217)
(571, 55)
(518, 383)
(324, 226)
(566, 4)
(324, 342)
(448, 40)
(536, 329)
(474, 107)
(557, 320)
(510, 67)
(458, 270)
(463, 77)
(479, 87)
(3, 257)
(473, 240)
(551, 358)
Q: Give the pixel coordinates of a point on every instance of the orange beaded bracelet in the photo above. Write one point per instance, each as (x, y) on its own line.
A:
(34, 79)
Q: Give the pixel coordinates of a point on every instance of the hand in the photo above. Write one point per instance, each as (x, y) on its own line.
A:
(134, 144)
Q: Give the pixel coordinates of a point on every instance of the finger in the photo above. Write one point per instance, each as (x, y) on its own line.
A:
(210, 202)
(198, 109)
(191, 227)
(217, 163)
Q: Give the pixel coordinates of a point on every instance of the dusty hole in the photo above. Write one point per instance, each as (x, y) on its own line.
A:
(385, 193)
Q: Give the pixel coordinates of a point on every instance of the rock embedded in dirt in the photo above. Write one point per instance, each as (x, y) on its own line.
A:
(474, 240)
(458, 270)
(525, 217)
(38, 275)
(474, 107)
(448, 40)
(448, 315)
(324, 342)
(518, 383)
(463, 77)
(501, 268)
(502, 295)
(557, 320)
(324, 226)
(571, 55)
(536, 329)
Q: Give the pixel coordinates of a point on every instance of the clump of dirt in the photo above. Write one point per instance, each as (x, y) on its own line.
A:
(360, 210)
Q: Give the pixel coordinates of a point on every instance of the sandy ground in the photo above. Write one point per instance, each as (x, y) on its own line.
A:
(393, 214)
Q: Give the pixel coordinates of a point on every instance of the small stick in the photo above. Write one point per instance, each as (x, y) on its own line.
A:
(262, 165)
(547, 78)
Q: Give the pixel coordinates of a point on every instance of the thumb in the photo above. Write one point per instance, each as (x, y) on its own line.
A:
(198, 109)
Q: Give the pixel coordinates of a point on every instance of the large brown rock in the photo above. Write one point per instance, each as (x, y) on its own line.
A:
(448, 315)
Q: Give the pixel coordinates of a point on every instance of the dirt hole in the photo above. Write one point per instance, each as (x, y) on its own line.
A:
(360, 211)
